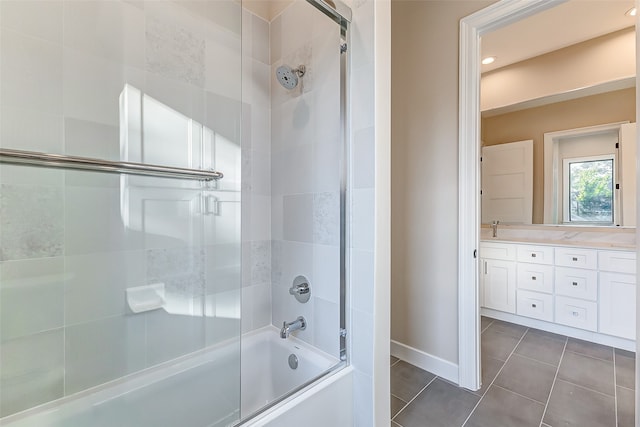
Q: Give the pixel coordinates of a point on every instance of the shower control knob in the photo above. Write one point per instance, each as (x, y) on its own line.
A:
(300, 289)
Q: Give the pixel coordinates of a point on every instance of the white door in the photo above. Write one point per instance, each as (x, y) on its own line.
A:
(507, 183)
(499, 285)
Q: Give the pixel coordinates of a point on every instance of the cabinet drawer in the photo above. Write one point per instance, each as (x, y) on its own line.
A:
(617, 261)
(535, 254)
(503, 251)
(535, 304)
(577, 283)
(575, 257)
(577, 313)
(535, 277)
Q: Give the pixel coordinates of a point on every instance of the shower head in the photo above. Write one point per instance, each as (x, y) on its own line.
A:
(288, 77)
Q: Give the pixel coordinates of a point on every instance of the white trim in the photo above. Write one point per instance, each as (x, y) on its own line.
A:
(566, 162)
(551, 197)
(426, 361)
(555, 328)
(472, 27)
(382, 235)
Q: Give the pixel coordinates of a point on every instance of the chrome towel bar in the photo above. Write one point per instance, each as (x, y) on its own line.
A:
(84, 163)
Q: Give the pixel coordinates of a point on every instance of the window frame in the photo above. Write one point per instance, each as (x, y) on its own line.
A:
(566, 208)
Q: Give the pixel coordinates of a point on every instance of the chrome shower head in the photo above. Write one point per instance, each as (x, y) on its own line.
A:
(288, 77)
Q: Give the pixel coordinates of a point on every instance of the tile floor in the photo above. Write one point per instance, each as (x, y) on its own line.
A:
(530, 378)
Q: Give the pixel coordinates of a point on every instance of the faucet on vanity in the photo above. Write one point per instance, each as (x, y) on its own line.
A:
(494, 227)
(288, 327)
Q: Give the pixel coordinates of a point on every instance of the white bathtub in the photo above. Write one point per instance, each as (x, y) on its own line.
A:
(199, 390)
(266, 374)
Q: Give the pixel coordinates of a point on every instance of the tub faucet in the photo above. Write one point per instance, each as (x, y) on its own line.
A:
(494, 227)
(288, 327)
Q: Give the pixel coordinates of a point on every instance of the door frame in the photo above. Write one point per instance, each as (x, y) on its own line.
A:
(472, 28)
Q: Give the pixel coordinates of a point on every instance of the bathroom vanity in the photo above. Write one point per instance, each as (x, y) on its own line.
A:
(584, 291)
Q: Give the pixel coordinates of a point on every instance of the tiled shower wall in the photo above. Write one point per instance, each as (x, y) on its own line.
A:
(306, 171)
(72, 242)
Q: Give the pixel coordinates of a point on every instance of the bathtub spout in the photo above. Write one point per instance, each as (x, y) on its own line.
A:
(288, 327)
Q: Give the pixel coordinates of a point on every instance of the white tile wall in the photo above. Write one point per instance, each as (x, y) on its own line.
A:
(169, 335)
(326, 272)
(298, 217)
(32, 222)
(103, 350)
(326, 320)
(42, 19)
(31, 130)
(363, 208)
(362, 218)
(31, 74)
(34, 283)
(27, 378)
(305, 156)
(96, 283)
(111, 30)
(362, 267)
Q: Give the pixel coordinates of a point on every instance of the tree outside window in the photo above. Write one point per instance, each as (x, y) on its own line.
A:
(591, 191)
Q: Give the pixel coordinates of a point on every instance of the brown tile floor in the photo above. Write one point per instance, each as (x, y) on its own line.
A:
(530, 378)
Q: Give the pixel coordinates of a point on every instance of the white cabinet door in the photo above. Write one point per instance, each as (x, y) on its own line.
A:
(499, 284)
(618, 305)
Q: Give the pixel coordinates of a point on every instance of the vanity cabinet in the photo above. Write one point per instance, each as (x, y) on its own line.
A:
(589, 289)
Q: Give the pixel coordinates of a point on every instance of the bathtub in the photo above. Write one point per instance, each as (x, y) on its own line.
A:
(266, 374)
(198, 390)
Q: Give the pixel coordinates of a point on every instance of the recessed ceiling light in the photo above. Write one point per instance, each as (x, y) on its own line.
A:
(631, 12)
(488, 60)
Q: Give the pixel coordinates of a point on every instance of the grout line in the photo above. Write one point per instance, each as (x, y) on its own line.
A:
(397, 397)
(590, 357)
(518, 394)
(626, 388)
(394, 363)
(553, 384)
(587, 388)
(414, 397)
(536, 360)
(615, 389)
(495, 378)
(490, 323)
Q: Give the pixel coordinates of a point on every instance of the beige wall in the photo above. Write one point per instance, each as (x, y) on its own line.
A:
(533, 123)
(424, 169)
(603, 59)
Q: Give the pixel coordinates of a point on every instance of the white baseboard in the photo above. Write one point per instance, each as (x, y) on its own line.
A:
(426, 361)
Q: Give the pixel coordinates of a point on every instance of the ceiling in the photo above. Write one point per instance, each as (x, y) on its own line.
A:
(569, 23)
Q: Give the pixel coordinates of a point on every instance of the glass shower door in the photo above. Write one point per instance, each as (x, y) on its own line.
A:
(120, 293)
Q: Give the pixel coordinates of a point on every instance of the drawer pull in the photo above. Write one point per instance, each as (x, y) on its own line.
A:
(575, 313)
(533, 305)
(574, 283)
(533, 255)
(575, 258)
(533, 278)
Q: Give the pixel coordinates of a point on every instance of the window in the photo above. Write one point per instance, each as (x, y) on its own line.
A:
(589, 195)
